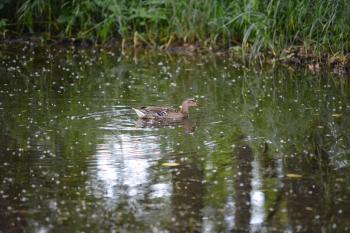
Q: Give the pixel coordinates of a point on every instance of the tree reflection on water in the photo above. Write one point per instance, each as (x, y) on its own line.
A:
(267, 150)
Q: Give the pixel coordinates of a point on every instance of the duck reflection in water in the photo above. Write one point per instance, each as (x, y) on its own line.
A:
(188, 126)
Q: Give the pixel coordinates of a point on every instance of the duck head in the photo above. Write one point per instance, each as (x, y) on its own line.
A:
(186, 104)
(190, 103)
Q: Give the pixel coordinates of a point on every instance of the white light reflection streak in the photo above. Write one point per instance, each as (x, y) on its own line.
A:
(124, 161)
(257, 199)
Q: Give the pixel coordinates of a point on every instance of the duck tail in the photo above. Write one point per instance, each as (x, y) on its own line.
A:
(139, 113)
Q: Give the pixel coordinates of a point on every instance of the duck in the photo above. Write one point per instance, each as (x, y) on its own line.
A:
(166, 113)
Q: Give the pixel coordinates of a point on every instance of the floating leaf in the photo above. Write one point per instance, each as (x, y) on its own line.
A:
(170, 164)
(293, 175)
(336, 114)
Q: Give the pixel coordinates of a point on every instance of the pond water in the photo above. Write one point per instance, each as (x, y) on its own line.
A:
(266, 150)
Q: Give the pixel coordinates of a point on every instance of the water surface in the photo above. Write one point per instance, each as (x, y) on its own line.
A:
(267, 149)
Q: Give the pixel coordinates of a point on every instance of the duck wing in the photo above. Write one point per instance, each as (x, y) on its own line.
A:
(154, 112)
(159, 109)
(158, 112)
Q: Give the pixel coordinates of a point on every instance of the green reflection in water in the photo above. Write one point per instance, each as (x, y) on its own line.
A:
(266, 150)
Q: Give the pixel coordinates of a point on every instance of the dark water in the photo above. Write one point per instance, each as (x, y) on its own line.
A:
(267, 150)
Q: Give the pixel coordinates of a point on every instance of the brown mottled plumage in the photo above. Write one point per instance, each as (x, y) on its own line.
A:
(169, 113)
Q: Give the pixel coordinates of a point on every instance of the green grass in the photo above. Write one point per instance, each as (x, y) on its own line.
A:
(256, 26)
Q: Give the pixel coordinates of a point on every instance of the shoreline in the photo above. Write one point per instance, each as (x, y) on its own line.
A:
(295, 57)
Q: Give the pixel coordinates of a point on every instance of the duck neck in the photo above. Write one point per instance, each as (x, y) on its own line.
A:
(184, 109)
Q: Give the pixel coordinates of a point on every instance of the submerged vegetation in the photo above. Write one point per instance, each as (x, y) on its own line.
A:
(252, 26)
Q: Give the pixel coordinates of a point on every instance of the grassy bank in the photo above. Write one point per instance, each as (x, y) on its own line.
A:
(249, 26)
